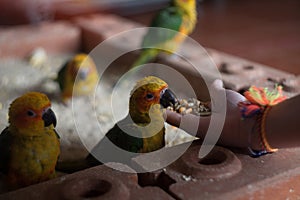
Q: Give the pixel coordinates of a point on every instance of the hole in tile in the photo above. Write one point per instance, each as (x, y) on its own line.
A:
(160, 179)
(213, 158)
(88, 188)
(248, 67)
(224, 68)
(219, 163)
(97, 189)
(164, 181)
(156, 179)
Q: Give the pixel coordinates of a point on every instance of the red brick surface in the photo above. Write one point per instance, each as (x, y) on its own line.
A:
(57, 37)
(224, 174)
(99, 182)
(228, 175)
(239, 74)
(282, 187)
(96, 28)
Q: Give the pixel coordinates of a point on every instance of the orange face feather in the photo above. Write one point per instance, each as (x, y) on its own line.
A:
(146, 93)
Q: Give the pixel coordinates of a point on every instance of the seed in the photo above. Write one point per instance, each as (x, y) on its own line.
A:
(181, 109)
(191, 104)
(177, 107)
(189, 110)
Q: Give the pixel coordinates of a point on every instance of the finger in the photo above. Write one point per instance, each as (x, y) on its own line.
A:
(217, 85)
(218, 96)
(233, 97)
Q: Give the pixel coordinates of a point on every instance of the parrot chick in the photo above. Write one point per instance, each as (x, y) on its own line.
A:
(78, 77)
(141, 131)
(30, 145)
(180, 18)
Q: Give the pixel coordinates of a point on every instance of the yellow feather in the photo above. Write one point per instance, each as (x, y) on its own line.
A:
(34, 148)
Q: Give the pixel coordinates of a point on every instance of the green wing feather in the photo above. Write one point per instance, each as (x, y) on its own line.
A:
(5, 141)
(124, 141)
(116, 137)
(61, 76)
(104, 149)
(169, 18)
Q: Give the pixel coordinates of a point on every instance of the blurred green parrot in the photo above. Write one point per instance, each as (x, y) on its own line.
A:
(180, 17)
(30, 145)
(141, 131)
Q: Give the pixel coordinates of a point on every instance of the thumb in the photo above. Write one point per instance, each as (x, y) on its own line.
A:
(232, 97)
(217, 85)
(217, 118)
(218, 96)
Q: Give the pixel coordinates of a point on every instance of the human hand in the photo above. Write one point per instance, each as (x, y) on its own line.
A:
(235, 132)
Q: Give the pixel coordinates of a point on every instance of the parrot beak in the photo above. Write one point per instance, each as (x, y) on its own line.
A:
(168, 98)
(49, 118)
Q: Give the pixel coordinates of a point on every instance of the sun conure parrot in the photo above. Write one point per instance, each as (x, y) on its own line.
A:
(141, 131)
(180, 17)
(78, 77)
(29, 146)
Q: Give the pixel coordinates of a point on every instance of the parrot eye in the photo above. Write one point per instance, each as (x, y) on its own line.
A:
(149, 96)
(30, 113)
(83, 73)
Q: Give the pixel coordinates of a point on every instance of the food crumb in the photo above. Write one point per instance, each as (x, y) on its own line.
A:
(191, 106)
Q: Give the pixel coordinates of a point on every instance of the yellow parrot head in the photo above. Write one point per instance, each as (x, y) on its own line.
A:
(187, 5)
(148, 92)
(30, 113)
(81, 65)
(80, 77)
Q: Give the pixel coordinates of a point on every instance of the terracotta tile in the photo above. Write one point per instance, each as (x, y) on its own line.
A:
(57, 37)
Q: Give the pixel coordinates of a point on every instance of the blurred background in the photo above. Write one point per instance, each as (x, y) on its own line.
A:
(264, 31)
